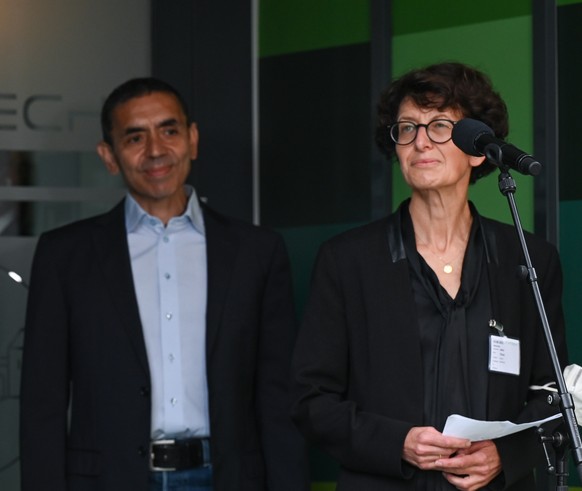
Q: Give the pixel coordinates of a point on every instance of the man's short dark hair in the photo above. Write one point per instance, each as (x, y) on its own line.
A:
(135, 87)
(444, 86)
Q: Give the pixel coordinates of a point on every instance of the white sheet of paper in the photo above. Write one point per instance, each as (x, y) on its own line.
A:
(476, 430)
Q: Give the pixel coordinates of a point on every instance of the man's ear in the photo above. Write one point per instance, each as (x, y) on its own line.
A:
(108, 157)
(193, 136)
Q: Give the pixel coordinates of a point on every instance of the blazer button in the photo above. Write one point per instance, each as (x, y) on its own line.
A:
(144, 391)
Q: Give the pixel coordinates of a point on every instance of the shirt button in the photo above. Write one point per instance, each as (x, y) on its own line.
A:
(173, 401)
(167, 276)
(169, 315)
(166, 239)
(171, 357)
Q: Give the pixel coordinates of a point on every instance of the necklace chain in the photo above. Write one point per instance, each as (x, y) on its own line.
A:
(447, 265)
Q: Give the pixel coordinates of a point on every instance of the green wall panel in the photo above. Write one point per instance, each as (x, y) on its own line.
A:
(323, 486)
(570, 247)
(427, 15)
(569, 42)
(290, 26)
(315, 137)
(303, 244)
(496, 39)
(484, 46)
(569, 122)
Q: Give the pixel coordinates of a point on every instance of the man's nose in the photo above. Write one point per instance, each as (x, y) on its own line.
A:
(155, 146)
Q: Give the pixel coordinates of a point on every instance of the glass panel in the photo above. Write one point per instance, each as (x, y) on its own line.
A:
(54, 169)
(51, 90)
(38, 191)
(62, 169)
(43, 190)
(15, 256)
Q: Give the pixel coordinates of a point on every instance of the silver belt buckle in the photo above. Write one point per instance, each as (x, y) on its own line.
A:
(155, 444)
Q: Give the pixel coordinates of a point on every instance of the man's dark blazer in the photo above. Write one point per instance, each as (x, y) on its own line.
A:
(84, 346)
(358, 386)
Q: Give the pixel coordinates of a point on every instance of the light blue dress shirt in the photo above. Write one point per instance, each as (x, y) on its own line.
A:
(169, 273)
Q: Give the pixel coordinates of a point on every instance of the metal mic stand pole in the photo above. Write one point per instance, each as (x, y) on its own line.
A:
(508, 187)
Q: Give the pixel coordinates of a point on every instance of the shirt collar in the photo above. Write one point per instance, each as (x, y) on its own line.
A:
(135, 214)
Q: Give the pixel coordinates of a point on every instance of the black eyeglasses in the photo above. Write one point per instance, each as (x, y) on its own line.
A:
(438, 131)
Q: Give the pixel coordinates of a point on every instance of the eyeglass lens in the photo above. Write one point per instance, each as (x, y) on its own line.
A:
(439, 131)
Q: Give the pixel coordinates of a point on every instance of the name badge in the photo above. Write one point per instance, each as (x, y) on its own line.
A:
(504, 355)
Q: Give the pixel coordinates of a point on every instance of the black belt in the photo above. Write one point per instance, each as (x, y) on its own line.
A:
(177, 455)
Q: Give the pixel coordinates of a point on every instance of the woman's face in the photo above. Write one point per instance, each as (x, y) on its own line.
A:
(427, 165)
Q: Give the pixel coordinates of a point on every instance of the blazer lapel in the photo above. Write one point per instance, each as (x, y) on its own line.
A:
(113, 253)
(221, 249)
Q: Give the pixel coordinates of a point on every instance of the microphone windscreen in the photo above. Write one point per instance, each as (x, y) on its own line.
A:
(466, 132)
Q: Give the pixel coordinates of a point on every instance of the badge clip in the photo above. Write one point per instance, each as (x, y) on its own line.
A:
(497, 326)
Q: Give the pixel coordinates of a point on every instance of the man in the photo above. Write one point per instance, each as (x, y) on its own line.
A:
(158, 335)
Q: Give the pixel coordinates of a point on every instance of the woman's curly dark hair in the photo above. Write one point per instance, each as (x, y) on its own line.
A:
(444, 86)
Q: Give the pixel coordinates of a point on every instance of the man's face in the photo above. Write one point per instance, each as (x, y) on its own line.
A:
(152, 147)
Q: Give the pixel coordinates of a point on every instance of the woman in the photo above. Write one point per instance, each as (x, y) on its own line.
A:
(402, 313)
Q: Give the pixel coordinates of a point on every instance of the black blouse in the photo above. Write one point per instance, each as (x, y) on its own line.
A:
(454, 335)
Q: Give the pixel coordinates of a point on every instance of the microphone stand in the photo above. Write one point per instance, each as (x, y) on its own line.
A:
(563, 398)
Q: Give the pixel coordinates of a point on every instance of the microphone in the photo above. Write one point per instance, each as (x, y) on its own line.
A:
(476, 138)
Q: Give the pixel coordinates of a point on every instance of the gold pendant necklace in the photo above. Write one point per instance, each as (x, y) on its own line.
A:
(447, 265)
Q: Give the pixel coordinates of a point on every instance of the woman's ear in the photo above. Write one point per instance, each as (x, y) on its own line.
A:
(476, 161)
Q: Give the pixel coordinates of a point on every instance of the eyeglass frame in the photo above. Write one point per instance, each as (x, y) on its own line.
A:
(422, 125)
